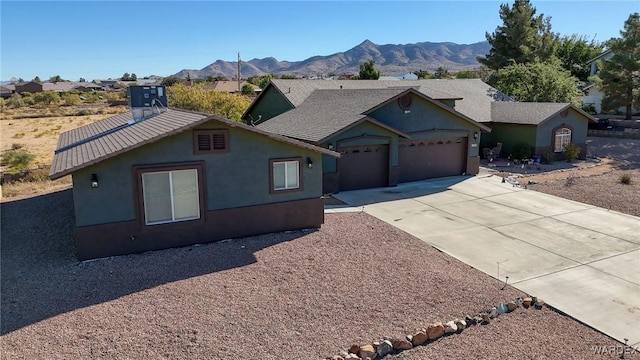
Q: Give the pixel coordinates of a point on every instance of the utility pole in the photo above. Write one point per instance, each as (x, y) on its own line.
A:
(239, 90)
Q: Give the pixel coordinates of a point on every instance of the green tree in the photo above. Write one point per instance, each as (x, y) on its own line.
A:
(125, 77)
(247, 89)
(422, 74)
(574, 51)
(619, 76)
(288, 76)
(260, 81)
(522, 38)
(170, 80)
(37, 80)
(133, 77)
(82, 80)
(197, 98)
(55, 79)
(368, 71)
(441, 73)
(538, 82)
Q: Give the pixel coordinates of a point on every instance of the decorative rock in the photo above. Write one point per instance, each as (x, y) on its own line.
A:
(494, 312)
(401, 344)
(511, 306)
(502, 308)
(351, 356)
(478, 319)
(485, 319)
(337, 357)
(539, 304)
(367, 351)
(450, 327)
(354, 349)
(526, 302)
(384, 348)
(519, 301)
(435, 330)
(534, 300)
(461, 324)
(470, 321)
(419, 338)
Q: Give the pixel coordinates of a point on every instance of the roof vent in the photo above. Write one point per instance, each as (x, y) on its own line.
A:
(146, 101)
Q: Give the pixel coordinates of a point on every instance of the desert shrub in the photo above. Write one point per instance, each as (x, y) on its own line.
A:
(522, 151)
(571, 151)
(47, 98)
(16, 146)
(71, 99)
(18, 135)
(625, 179)
(17, 160)
(549, 157)
(38, 175)
(15, 101)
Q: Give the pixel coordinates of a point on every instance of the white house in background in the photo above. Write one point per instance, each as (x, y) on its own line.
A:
(592, 94)
(407, 76)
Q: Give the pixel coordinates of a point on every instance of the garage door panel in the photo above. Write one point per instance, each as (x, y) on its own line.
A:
(364, 167)
(425, 159)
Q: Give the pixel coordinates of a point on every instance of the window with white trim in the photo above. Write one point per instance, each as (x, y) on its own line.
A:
(286, 175)
(562, 138)
(170, 196)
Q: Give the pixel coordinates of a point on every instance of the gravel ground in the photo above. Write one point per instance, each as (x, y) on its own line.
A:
(303, 295)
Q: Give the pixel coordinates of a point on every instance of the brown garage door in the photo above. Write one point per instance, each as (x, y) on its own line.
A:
(425, 159)
(364, 167)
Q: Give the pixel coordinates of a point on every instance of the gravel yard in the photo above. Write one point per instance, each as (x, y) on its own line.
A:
(302, 295)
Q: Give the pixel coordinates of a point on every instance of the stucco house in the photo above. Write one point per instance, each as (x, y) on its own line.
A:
(386, 132)
(390, 132)
(178, 178)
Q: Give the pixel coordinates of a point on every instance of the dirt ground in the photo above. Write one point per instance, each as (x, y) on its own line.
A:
(595, 181)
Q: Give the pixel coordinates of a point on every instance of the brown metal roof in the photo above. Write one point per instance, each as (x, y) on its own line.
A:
(96, 142)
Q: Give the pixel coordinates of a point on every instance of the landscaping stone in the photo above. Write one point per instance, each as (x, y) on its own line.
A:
(352, 356)
(337, 357)
(502, 308)
(461, 324)
(450, 327)
(384, 348)
(354, 349)
(493, 313)
(511, 306)
(435, 330)
(419, 338)
(526, 302)
(401, 344)
(485, 319)
(539, 304)
(470, 321)
(367, 351)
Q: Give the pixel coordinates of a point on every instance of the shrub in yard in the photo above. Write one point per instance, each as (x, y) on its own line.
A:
(17, 160)
(522, 151)
(549, 157)
(38, 175)
(571, 152)
(625, 179)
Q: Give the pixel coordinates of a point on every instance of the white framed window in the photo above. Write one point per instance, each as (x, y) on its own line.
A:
(170, 196)
(562, 137)
(285, 175)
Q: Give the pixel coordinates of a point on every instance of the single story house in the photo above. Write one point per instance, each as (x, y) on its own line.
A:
(385, 134)
(178, 178)
(390, 132)
(28, 86)
(6, 90)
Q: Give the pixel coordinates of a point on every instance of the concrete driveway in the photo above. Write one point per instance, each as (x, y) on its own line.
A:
(580, 259)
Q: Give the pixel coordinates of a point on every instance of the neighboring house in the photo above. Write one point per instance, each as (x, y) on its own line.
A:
(386, 133)
(30, 86)
(180, 178)
(592, 94)
(390, 132)
(6, 90)
(67, 86)
(407, 76)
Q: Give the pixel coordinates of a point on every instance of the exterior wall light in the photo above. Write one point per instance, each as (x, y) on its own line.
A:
(309, 163)
(476, 134)
(94, 181)
(330, 146)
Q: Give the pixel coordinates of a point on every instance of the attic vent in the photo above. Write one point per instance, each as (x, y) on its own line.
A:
(210, 141)
(404, 102)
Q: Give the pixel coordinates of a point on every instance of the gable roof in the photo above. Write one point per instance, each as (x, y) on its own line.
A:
(528, 113)
(326, 112)
(599, 56)
(96, 142)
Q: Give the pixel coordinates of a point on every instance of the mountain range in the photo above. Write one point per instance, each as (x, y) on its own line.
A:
(389, 59)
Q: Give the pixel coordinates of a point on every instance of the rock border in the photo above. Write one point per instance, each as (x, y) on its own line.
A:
(422, 337)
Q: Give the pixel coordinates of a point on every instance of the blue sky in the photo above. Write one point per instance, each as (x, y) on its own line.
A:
(102, 39)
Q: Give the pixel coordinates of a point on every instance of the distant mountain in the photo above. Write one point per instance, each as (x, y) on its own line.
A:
(390, 59)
